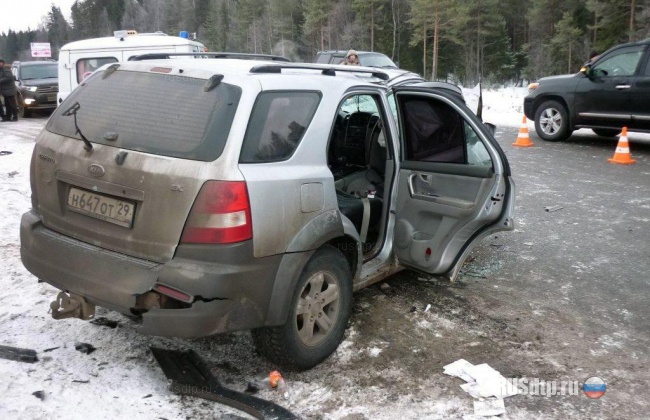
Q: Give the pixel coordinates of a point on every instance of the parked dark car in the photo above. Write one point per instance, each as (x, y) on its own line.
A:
(366, 58)
(38, 84)
(607, 94)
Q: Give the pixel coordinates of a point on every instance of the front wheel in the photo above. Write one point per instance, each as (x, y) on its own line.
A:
(319, 313)
(552, 121)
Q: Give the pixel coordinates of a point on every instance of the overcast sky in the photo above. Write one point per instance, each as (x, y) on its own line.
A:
(20, 15)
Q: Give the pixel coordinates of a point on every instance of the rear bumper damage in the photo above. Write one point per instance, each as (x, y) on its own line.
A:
(228, 289)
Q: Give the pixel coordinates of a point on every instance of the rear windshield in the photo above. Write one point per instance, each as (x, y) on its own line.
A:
(154, 113)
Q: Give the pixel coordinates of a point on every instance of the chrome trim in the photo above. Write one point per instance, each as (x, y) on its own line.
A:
(612, 116)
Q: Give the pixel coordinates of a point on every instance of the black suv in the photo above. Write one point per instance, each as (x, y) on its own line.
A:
(366, 58)
(37, 83)
(607, 94)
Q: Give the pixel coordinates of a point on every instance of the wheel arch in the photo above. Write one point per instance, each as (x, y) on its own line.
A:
(291, 267)
(554, 97)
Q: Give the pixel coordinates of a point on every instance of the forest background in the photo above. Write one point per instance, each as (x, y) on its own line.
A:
(462, 41)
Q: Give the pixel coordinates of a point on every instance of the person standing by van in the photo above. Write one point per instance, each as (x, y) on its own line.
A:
(8, 91)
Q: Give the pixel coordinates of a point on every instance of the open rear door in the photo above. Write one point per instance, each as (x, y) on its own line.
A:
(454, 185)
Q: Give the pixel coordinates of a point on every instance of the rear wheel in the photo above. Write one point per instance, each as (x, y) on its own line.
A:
(319, 313)
(552, 121)
(606, 132)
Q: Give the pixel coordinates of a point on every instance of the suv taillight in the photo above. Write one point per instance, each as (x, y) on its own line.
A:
(220, 215)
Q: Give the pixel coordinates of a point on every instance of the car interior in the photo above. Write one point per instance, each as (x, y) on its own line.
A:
(358, 158)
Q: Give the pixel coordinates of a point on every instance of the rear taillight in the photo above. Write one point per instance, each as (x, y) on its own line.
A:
(220, 215)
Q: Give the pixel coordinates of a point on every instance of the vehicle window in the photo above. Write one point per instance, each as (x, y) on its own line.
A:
(647, 68)
(359, 103)
(393, 106)
(152, 112)
(376, 60)
(337, 58)
(432, 131)
(323, 58)
(41, 71)
(86, 66)
(620, 64)
(477, 154)
(277, 124)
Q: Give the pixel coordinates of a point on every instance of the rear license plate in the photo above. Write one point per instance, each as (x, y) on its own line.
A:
(51, 98)
(101, 207)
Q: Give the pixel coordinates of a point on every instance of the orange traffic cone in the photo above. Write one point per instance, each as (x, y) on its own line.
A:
(523, 139)
(622, 155)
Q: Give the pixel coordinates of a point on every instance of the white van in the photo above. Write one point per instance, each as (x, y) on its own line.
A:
(77, 60)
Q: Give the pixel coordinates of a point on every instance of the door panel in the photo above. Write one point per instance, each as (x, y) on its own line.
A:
(604, 98)
(640, 98)
(452, 181)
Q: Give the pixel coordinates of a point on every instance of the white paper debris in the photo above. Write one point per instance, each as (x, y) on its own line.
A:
(482, 381)
(473, 389)
(459, 369)
(427, 308)
(489, 407)
(491, 382)
(475, 417)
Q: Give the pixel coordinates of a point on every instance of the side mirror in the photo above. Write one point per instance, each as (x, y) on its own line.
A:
(491, 128)
(586, 70)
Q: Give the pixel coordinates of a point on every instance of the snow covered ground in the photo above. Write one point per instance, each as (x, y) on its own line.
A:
(121, 379)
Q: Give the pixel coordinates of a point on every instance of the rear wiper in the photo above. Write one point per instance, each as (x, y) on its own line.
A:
(73, 111)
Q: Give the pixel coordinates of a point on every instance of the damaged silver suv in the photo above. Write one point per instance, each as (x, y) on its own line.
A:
(202, 196)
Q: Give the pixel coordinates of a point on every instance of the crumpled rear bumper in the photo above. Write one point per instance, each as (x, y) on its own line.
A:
(231, 289)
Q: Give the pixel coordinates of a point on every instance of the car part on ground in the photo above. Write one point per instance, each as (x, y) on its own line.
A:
(607, 94)
(190, 375)
(17, 354)
(256, 195)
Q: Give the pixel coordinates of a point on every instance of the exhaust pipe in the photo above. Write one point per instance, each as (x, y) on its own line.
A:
(72, 306)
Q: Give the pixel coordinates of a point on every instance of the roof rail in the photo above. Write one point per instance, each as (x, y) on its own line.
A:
(326, 70)
(165, 56)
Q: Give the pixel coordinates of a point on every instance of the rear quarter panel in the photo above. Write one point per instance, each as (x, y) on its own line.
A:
(286, 196)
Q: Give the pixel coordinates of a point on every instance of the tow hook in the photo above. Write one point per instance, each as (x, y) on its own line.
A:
(72, 306)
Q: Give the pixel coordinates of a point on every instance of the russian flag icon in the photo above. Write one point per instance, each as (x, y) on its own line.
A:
(594, 387)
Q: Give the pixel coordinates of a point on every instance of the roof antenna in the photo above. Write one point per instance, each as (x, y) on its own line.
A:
(479, 108)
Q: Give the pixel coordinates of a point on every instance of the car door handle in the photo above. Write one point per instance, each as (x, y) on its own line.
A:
(621, 87)
(426, 178)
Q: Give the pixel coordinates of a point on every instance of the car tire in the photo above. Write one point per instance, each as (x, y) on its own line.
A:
(324, 291)
(606, 132)
(552, 121)
(24, 112)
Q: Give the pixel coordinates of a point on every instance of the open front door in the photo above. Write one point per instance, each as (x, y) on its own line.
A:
(454, 183)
